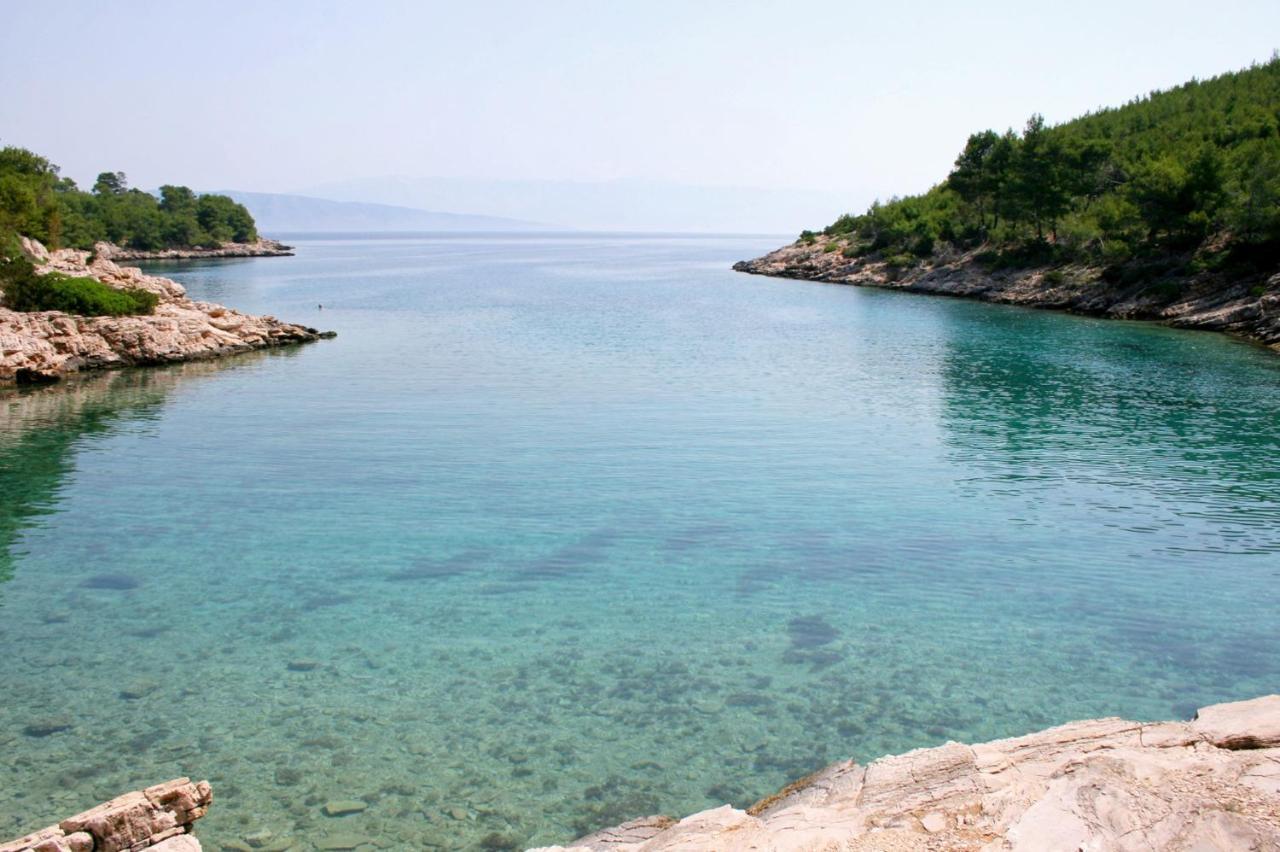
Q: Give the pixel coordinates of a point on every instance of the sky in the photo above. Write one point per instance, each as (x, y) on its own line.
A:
(846, 100)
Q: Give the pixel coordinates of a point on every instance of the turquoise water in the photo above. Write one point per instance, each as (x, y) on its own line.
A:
(565, 530)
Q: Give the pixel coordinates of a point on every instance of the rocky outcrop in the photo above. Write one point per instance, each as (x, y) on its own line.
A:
(47, 345)
(1209, 784)
(1247, 308)
(157, 819)
(263, 247)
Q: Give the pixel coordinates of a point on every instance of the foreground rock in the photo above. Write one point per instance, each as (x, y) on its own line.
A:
(1107, 784)
(158, 819)
(47, 345)
(262, 248)
(1247, 308)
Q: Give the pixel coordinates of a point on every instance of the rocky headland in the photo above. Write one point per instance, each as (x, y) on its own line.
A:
(157, 819)
(1247, 308)
(1106, 784)
(263, 247)
(48, 345)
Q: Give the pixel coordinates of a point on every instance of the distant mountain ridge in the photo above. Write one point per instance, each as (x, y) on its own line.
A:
(284, 213)
(617, 205)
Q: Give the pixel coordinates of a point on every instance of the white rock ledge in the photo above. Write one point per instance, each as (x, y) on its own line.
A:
(157, 819)
(1106, 784)
(47, 345)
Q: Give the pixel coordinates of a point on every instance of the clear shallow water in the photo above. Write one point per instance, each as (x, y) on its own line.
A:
(562, 531)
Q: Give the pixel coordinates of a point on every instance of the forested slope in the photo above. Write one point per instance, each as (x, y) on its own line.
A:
(1188, 176)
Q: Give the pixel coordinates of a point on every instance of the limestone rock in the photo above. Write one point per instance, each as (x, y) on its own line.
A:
(181, 843)
(46, 345)
(1104, 784)
(157, 818)
(629, 833)
(262, 248)
(1249, 308)
(1240, 725)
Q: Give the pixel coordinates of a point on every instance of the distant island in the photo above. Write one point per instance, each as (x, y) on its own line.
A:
(1167, 208)
(281, 213)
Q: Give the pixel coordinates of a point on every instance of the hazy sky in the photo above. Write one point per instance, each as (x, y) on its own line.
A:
(865, 98)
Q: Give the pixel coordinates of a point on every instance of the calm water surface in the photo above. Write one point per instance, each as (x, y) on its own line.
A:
(565, 530)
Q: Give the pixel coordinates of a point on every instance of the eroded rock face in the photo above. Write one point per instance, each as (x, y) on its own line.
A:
(1248, 308)
(158, 819)
(46, 345)
(1209, 784)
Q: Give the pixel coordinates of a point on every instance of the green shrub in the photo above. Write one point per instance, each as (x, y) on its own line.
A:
(24, 290)
(830, 247)
(1054, 277)
(900, 261)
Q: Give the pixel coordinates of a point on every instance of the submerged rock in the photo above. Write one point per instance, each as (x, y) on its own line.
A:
(138, 689)
(112, 582)
(344, 807)
(47, 725)
(342, 842)
(811, 631)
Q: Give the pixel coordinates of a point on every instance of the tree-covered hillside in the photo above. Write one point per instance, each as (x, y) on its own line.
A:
(1191, 173)
(36, 201)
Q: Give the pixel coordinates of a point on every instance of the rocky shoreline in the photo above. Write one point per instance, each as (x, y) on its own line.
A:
(158, 819)
(262, 248)
(45, 346)
(1106, 784)
(1103, 784)
(1245, 308)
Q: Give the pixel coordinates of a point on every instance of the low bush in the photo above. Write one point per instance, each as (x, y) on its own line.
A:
(24, 290)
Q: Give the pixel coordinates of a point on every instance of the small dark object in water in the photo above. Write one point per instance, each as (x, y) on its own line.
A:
(748, 699)
(811, 631)
(497, 842)
(288, 776)
(112, 582)
(44, 727)
(323, 600)
(728, 795)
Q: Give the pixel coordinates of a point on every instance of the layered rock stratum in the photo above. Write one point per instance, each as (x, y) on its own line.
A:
(1106, 784)
(157, 819)
(47, 345)
(1249, 307)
